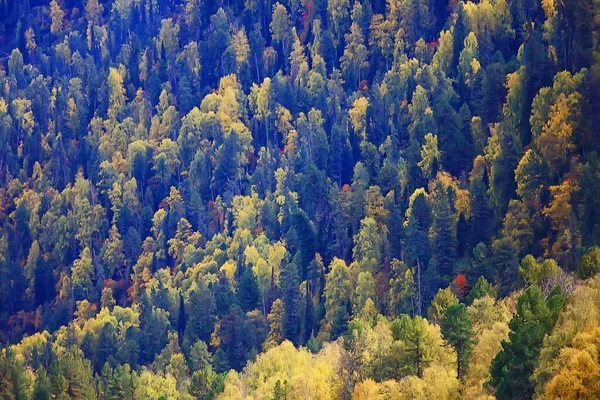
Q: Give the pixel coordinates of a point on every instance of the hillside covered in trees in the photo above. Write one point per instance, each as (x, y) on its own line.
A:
(302, 199)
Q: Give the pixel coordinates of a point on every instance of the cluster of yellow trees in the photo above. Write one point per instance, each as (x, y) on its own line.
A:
(372, 352)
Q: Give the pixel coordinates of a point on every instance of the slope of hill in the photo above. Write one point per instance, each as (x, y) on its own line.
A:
(299, 199)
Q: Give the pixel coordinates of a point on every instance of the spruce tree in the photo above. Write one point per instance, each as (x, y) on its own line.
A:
(292, 304)
(444, 233)
(457, 330)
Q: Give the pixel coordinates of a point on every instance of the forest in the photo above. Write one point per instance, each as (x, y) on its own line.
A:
(299, 199)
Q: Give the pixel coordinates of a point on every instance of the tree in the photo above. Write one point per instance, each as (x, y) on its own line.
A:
(280, 391)
(368, 246)
(83, 276)
(444, 231)
(233, 335)
(358, 116)
(292, 305)
(200, 316)
(93, 11)
(416, 342)
(532, 272)
(481, 214)
(281, 26)
(364, 293)
(481, 289)
(116, 99)
(276, 319)
(248, 293)
(41, 390)
(57, 15)
(354, 61)
(440, 304)
(106, 346)
(589, 265)
(120, 383)
(338, 292)
(382, 36)
(107, 299)
(205, 384)
(517, 225)
(421, 115)
(431, 157)
(338, 12)
(457, 330)
(169, 37)
(513, 366)
(579, 373)
(112, 253)
(404, 292)
(468, 63)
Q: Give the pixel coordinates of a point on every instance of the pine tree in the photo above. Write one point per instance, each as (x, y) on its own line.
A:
(234, 338)
(292, 304)
(200, 318)
(513, 366)
(248, 293)
(42, 388)
(444, 232)
(481, 214)
(457, 330)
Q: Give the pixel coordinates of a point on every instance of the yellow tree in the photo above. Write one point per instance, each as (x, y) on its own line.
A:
(559, 210)
(116, 94)
(57, 15)
(93, 11)
(281, 26)
(354, 61)
(578, 367)
(358, 116)
(556, 140)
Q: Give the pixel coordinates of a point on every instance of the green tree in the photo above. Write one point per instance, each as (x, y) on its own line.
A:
(589, 265)
(107, 299)
(292, 304)
(42, 388)
(444, 232)
(354, 61)
(248, 293)
(443, 299)
(513, 366)
(205, 384)
(83, 276)
(200, 318)
(481, 289)
(457, 330)
(339, 13)
(431, 156)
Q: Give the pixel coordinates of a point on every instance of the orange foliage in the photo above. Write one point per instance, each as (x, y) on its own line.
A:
(461, 283)
(109, 283)
(130, 291)
(38, 318)
(363, 86)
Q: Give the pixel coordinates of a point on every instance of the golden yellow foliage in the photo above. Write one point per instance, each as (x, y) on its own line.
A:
(438, 382)
(308, 376)
(488, 345)
(562, 357)
(579, 374)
